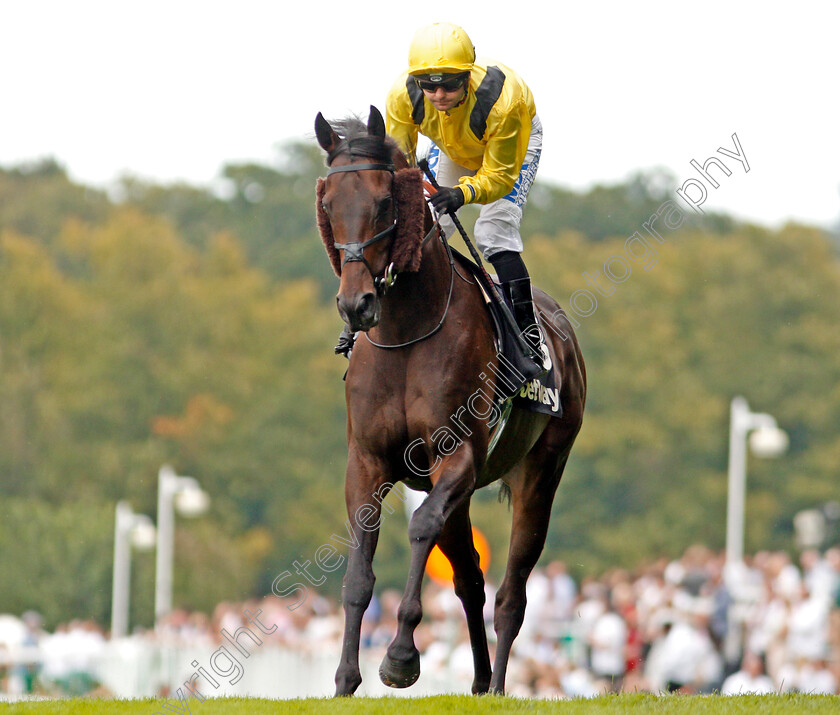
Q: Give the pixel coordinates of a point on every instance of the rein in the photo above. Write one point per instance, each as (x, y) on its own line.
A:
(435, 227)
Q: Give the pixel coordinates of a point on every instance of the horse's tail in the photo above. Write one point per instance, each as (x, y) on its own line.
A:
(504, 493)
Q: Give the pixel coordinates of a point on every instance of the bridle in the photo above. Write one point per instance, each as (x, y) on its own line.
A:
(354, 251)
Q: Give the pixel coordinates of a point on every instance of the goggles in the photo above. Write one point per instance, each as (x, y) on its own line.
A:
(448, 82)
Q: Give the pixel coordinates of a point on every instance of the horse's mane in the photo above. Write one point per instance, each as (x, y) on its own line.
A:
(356, 141)
(408, 193)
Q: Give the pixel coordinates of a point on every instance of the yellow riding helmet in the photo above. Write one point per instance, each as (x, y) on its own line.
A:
(442, 47)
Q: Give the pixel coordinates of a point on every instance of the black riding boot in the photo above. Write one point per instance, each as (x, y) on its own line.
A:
(519, 294)
(345, 342)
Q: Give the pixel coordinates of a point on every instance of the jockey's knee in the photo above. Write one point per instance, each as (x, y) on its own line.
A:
(497, 228)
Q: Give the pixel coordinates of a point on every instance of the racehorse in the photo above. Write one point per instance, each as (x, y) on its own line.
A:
(418, 387)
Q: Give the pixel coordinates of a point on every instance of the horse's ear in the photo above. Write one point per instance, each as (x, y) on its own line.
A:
(376, 125)
(327, 138)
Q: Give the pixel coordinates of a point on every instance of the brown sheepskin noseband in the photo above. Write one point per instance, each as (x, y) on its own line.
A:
(408, 240)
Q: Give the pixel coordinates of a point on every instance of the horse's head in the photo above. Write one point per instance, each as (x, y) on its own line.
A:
(370, 211)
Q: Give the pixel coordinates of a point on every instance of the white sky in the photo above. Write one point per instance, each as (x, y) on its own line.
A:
(172, 90)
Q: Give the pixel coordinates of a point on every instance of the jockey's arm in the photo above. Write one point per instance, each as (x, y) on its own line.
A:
(503, 157)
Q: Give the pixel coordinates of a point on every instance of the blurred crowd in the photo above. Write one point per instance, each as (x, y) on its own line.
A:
(686, 625)
(683, 626)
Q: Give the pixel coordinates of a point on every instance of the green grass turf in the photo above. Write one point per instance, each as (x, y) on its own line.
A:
(447, 704)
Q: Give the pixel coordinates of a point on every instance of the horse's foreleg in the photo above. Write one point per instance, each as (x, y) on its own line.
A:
(364, 491)
(532, 496)
(401, 664)
(456, 542)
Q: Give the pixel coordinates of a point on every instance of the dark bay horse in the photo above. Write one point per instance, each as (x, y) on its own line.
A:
(417, 391)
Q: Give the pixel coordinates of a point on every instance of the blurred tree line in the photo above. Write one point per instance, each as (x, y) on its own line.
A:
(194, 326)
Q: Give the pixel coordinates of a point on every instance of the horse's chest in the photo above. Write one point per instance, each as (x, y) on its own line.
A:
(385, 415)
(378, 420)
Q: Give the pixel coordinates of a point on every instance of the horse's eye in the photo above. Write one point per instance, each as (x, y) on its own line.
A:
(384, 207)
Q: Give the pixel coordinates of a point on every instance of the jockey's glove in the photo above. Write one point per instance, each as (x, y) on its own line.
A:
(447, 200)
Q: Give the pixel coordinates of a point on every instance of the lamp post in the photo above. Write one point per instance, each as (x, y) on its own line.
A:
(765, 440)
(130, 529)
(186, 495)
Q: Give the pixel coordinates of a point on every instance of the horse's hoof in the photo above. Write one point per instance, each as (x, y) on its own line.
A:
(399, 675)
(346, 684)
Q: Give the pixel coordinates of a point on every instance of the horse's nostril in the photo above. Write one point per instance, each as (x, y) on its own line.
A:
(365, 304)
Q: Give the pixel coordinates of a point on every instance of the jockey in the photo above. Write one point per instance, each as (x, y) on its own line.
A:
(486, 143)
